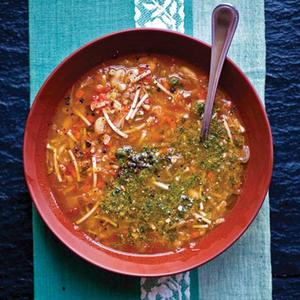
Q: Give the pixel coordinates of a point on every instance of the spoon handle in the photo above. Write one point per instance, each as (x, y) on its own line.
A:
(224, 22)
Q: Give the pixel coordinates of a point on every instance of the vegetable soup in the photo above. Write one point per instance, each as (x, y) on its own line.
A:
(125, 160)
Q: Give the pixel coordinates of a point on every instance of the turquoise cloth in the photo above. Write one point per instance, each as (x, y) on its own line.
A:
(59, 27)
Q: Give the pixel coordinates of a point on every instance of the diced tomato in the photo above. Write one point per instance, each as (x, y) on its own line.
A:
(170, 122)
(99, 98)
(165, 84)
(107, 89)
(100, 183)
(211, 175)
(109, 130)
(80, 123)
(77, 135)
(79, 94)
(178, 97)
(102, 97)
(70, 170)
(98, 77)
(142, 70)
(177, 107)
(88, 154)
(86, 187)
(113, 172)
(95, 98)
(126, 109)
(91, 118)
(98, 111)
(195, 234)
(148, 79)
(202, 94)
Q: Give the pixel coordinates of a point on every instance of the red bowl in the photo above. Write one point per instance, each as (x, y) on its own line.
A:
(233, 81)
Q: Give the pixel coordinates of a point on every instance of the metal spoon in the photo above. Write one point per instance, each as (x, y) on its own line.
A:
(224, 22)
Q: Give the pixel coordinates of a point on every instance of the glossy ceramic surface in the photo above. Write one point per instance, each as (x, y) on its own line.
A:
(232, 80)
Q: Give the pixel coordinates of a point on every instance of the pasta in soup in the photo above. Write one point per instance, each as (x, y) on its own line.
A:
(125, 160)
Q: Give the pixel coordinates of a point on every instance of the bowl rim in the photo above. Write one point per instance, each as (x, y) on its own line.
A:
(70, 245)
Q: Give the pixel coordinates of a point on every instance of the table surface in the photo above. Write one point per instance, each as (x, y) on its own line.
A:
(282, 102)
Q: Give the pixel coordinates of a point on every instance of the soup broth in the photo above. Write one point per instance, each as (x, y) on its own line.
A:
(125, 159)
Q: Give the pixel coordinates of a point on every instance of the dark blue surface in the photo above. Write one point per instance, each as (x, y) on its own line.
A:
(283, 107)
(282, 101)
(15, 203)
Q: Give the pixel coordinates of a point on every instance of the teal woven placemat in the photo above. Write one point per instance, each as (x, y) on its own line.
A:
(59, 27)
